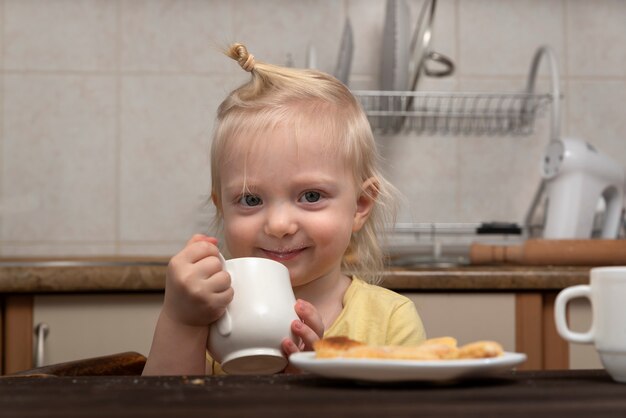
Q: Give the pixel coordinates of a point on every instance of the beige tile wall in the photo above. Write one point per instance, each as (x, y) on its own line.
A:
(107, 107)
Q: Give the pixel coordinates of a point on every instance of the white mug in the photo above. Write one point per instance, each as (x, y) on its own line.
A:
(607, 294)
(247, 338)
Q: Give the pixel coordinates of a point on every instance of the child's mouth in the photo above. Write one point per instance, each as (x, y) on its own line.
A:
(283, 255)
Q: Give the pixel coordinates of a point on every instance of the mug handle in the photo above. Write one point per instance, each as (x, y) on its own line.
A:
(448, 65)
(562, 299)
(224, 323)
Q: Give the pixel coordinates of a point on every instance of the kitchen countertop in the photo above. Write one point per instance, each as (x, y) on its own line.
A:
(123, 274)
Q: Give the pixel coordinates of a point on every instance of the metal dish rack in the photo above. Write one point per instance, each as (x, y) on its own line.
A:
(443, 244)
(463, 113)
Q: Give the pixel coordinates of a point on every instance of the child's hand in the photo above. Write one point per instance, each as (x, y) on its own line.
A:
(197, 290)
(308, 329)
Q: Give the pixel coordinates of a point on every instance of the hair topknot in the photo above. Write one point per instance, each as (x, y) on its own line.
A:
(240, 53)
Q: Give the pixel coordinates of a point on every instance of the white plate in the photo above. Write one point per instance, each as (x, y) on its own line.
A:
(405, 370)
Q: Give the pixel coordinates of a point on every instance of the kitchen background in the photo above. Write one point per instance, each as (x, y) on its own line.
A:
(107, 107)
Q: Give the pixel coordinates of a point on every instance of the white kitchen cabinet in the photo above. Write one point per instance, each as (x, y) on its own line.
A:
(89, 325)
(492, 316)
(468, 316)
(86, 325)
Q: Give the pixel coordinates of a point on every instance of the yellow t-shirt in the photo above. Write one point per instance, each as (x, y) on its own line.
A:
(377, 316)
(371, 314)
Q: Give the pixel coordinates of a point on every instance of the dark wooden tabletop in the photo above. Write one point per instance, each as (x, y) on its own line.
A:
(517, 394)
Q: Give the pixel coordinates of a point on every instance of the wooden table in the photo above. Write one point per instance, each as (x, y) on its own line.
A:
(525, 394)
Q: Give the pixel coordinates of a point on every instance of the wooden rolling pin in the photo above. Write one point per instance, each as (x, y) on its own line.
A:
(545, 252)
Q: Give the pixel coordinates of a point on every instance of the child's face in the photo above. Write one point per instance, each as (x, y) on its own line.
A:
(300, 206)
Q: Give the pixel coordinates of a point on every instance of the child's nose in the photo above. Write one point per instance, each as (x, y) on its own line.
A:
(280, 221)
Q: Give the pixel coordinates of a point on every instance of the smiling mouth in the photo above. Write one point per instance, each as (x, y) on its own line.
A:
(282, 255)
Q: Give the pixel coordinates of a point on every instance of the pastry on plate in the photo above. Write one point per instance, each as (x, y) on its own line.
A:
(442, 348)
(335, 346)
(481, 349)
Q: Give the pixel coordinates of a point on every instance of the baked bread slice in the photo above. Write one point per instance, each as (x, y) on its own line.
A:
(335, 346)
(443, 348)
(481, 349)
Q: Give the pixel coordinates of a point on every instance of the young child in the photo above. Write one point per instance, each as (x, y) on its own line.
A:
(295, 178)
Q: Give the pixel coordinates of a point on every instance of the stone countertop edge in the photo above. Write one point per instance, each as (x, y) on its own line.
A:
(486, 278)
(149, 276)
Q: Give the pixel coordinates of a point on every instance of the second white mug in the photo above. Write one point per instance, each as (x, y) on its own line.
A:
(607, 294)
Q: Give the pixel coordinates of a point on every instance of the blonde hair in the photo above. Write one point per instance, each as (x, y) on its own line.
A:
(276, 94)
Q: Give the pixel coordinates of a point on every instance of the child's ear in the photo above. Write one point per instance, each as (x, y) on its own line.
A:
(216, 201)
(365, 203)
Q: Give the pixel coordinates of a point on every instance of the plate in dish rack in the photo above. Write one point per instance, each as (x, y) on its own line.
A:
(378, 370)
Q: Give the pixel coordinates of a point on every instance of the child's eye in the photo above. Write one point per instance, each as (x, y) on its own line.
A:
(311, 197)
(250, 200)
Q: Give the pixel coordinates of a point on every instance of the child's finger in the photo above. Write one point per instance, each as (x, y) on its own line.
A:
(208, 266)
(217, 283)
(196, 251)
(196, 238)
(306, 334)
(202, 237)
(222, 298)
(289, 347)
(309, 315)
